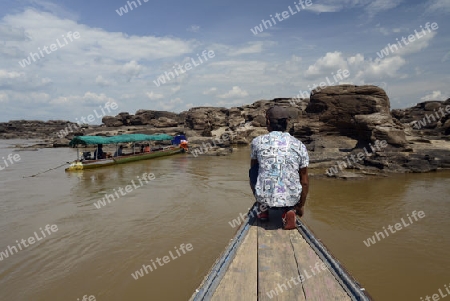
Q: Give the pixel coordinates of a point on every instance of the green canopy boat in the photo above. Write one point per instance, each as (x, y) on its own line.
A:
(88, 140)
(100, 158)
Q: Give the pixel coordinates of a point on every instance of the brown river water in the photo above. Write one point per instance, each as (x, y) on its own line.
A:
(93, 252)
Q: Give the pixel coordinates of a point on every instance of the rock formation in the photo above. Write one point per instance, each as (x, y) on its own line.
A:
(336, 123)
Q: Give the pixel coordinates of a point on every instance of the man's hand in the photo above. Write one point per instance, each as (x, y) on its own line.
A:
(300, 210)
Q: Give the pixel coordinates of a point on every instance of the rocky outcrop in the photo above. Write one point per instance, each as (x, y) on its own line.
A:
(361, 112)
(144, 117)
(429, 118)
(335, 123)
(111, 121)
(36, 129)
(206, 119)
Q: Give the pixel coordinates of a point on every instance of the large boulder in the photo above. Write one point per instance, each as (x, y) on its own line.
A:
(380, 126)
(338, 105)
(144, 117)
(111, 121)
(360, 112)
(206, 119)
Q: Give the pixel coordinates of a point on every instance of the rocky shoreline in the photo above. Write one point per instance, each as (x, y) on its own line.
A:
(340, 126)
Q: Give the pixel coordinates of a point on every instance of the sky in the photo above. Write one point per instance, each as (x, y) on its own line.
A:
(66, 59)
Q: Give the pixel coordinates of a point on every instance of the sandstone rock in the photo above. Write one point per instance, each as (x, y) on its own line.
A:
(334, 123)
(111, 121)
(392, 135)
(337, 106)
(361, 112)
(380, 126)
(235, 118)
(35, 129)
(429, 117)
(125, 117)
(259, 121)
(61, 142)
(446, 128)
(163, 122)
(206, 119)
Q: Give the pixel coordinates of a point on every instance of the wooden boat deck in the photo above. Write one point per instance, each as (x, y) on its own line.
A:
(270, 263)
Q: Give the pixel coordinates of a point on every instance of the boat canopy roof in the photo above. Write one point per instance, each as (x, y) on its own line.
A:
(86, 140)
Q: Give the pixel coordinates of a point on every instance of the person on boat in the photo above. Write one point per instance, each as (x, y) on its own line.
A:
(142, 148)
(98, 153)
(119, 152)
(147, 148)
(279, 170)
(184, 144)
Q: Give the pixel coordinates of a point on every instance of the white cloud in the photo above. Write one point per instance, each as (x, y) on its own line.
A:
(101, 81)
(236, 91)
(66, 83)
(387, 31)
(44, 28)
(442, 6)
(88, 99)
(53, 8)
(417, 45)
(175, 89)
(324, 8)
(446, 57)
(378, 6)
(232, 71)
(229, 103)
(263, 35)
(375, 70)
(360, 69)
(4, 97)
(10, 33)
(435, 95)
(8, 74)
(296, 59)
(169, 105)
(193, 28)
(252, 47)
(210, 91)
(152, 95)
(372, 7)
(330, 62)
(97, 59)
(131, 69)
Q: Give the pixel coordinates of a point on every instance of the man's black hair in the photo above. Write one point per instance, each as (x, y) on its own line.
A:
(278, 124)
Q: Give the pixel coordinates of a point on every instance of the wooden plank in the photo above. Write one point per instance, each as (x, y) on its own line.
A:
(319, 284)
(240, 280)
(276, 263)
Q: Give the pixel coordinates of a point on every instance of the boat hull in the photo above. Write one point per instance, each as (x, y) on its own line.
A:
(78, 165)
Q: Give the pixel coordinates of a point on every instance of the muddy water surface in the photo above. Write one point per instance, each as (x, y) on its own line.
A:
(191, 201)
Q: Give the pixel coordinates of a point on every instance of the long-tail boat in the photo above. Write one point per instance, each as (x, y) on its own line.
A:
(86, 161)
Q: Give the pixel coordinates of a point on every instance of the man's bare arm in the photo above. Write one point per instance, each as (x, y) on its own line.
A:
(304, 181)
(253, 162)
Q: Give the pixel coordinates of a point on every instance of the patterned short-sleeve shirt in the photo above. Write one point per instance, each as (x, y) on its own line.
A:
(280, 156)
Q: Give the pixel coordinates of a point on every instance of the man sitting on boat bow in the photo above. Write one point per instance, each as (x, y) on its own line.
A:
(282, 163)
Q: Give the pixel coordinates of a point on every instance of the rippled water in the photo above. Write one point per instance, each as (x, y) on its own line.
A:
(191, 201)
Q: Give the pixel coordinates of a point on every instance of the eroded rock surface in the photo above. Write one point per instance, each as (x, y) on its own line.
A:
(337, 123)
